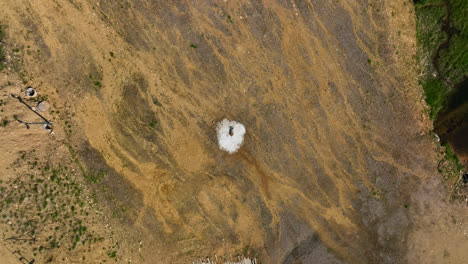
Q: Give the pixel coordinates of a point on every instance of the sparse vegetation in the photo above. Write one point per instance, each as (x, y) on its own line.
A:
(156, 102)
(96, 80)
(98, 84)
(2, 53)
(230, 19)
(193, 46)
(2, 58)
(452, 157)
(48, 212)
(153, 124)
(449, 167)
(4, 122)
(95, 177)
(41, 208)
(39, 98)
(112, 254)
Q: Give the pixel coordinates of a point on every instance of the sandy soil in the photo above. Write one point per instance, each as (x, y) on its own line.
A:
(338, 163)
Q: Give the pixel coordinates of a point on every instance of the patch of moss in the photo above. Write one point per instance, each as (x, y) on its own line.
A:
(452, 59)
(435, 92)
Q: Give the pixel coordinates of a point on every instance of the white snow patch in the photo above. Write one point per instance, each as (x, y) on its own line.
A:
(230, 135)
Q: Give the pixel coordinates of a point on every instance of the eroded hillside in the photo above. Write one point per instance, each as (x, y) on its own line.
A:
(338, 164)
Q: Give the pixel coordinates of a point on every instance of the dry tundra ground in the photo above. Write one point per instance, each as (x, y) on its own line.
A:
(338, 163)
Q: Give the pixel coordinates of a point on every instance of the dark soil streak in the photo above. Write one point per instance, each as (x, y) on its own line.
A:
(264, 177)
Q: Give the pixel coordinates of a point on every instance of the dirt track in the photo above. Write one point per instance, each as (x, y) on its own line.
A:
(337, 166)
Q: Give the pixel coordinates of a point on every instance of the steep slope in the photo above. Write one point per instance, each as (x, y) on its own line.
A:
(335, 142)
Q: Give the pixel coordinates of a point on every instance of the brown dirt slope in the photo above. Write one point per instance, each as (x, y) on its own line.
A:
(337, 146)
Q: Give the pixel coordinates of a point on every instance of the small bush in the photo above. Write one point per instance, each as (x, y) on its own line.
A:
(2, 58)
(4, 122)
(153, 124)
